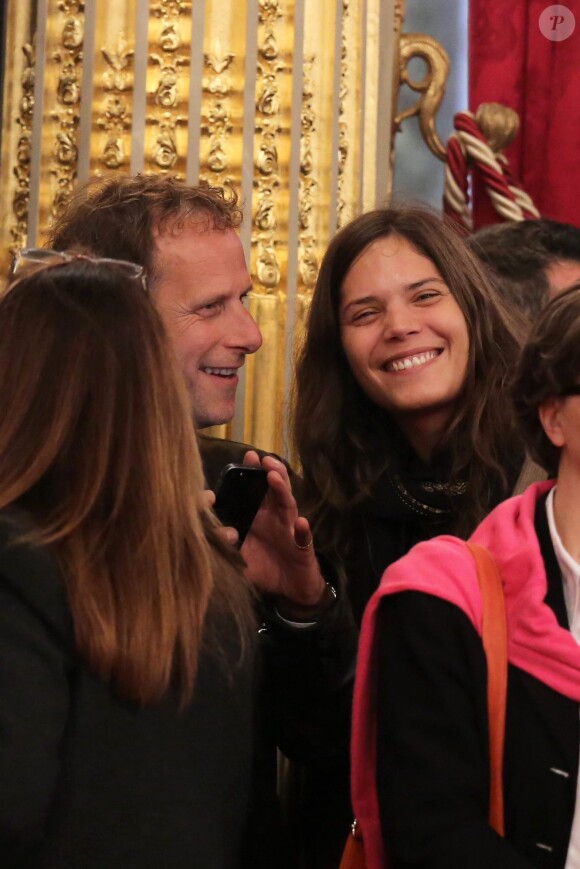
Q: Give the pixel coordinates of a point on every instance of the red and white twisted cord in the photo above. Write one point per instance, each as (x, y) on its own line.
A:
(468, 147)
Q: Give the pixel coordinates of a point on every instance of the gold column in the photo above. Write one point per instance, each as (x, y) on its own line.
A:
(113, 88)
(350, 112)
(221, 143)
(270, 203)
(167, 87)
(18, 106)
(61, 105)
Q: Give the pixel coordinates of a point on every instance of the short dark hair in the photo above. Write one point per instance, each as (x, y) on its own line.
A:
(117, 216)
(549, 363)
(518, 255)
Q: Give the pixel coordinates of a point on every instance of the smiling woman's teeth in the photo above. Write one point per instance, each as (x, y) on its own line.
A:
(411, 361)
(223, 372)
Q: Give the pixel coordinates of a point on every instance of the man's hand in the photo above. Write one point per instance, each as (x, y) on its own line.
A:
(278, 549)
(230, 535)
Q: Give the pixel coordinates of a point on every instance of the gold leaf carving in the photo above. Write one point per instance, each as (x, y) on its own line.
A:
(343, 214)
(268, 270)
(115, 119)
(68, 57)
(307, 260)
(72, 34)
(169, 40)
(119, 61)
(265, 217)
(431, 86)
(268, 126)
(218, 126)
(219, 63)
(267, 159)
(21, 170)
(167, 95)
(165, 148)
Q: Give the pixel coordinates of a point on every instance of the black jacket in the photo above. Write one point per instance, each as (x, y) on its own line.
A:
(435, 829)
(88, 780)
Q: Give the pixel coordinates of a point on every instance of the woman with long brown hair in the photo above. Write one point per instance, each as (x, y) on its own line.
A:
(126, 659)
(400, 423)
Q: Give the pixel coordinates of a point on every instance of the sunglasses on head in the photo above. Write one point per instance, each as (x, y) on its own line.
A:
(48, 259)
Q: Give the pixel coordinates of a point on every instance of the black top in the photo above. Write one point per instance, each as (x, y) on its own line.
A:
(88, 780)
(409, 502)
(433, 758)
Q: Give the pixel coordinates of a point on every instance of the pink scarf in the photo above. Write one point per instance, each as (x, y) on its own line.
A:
(445, 568)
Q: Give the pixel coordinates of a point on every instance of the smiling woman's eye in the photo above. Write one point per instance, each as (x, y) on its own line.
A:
(427, 295)
(361, 316)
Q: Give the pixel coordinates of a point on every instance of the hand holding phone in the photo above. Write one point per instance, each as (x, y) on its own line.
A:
(240, 491)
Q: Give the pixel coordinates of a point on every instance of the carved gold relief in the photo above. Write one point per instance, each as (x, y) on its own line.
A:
(218, 126)
(307, 255)
(115, 119)
(67, 59)
(167, 96)
(268, 127)
(19, 229)
(432, 86)
(349, 112)
(342, 125)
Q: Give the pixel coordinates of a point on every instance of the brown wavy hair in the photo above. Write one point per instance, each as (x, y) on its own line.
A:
(99, 453)
(119, 216)
(548, 365)
(343, 440)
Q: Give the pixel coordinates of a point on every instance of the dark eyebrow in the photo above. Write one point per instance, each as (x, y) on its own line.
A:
(364, 300)
(420, 283)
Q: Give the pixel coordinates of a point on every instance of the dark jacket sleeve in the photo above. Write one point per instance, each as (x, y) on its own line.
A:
(433, 759)
(308, 676)
(34, 696)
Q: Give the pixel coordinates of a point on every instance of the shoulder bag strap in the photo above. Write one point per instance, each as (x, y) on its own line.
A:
(494, 638)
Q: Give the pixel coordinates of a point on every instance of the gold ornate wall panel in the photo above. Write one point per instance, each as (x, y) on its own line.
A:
(17, 117)
(288, 101)
(113, 89)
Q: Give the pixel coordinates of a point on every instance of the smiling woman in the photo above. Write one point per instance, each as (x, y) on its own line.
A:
(397, 420)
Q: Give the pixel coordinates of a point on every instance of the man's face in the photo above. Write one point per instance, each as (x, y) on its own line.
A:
(200, 291)
(561, 275)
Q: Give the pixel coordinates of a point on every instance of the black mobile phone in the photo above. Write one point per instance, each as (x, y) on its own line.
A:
(240, 490)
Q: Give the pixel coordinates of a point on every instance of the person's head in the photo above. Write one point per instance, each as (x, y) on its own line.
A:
(403, 326)
(98, 450)
(186, 239)
(531, 260)
(546, 386)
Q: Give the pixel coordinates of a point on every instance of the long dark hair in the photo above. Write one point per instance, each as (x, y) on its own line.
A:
(342, 439)
(98, 451)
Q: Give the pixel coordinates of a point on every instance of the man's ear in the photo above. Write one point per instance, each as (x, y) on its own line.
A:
(551, 423)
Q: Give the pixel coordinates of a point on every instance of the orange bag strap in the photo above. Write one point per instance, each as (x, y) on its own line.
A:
(494, 638)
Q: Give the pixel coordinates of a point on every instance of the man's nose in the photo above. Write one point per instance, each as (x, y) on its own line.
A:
(245, 334)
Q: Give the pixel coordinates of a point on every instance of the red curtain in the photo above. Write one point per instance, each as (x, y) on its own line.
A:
(514, 63)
